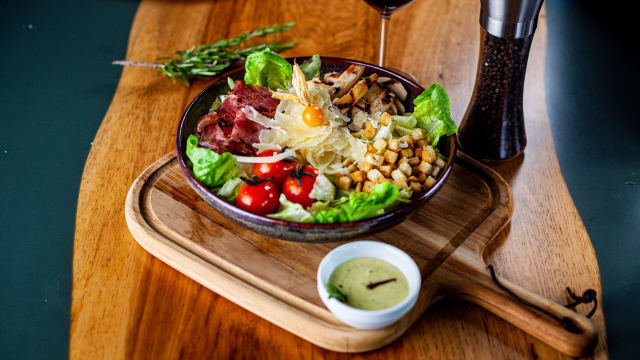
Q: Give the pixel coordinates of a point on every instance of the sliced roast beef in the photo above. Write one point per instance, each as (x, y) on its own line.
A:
(245, 130)
(228, 129)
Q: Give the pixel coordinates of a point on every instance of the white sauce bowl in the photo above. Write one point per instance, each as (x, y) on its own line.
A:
(369, 319)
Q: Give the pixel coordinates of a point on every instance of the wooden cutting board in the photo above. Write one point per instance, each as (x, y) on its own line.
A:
(128, 304)
(276, 279)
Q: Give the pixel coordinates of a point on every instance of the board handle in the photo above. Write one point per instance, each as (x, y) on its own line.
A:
(578, 338)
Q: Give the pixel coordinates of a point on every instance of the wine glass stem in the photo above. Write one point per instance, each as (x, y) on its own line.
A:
(384, 39)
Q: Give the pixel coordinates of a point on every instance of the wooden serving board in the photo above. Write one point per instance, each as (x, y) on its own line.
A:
(276, 279)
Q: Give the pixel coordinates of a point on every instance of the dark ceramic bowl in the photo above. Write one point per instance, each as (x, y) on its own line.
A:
(304, 232)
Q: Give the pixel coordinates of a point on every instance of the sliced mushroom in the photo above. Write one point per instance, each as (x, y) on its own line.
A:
(393, 85)
(399, 105)
(393, 110)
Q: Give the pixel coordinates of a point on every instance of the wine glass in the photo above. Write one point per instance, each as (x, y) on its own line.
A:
(386, 8)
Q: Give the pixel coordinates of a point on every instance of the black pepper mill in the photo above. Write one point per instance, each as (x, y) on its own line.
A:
(493, 126)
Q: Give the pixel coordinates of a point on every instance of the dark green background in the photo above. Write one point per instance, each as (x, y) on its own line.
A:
(57, 84)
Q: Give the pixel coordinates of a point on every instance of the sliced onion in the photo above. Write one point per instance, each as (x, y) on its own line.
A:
(265, 146)
(265, 159)
(255, 116)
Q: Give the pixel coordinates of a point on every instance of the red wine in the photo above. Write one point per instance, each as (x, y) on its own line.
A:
(387, 6)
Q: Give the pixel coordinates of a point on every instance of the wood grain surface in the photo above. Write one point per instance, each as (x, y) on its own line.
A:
(276, 279)
(127, 304)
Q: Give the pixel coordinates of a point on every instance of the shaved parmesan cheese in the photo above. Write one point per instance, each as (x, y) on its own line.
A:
(324, 146)
(358, 121)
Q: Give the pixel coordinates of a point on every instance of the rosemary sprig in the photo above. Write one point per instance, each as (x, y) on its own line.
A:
(210, 59)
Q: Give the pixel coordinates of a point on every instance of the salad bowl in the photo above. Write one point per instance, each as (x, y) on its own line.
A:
(296, 231)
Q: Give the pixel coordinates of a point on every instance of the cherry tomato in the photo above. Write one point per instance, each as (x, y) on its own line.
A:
(258, 196)
(277, 171)
(299, 184)
(313, 116)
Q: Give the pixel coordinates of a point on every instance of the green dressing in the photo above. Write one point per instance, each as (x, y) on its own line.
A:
(370, 283)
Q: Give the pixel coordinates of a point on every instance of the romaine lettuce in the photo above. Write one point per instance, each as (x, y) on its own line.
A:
(312, 67)
(361, 205)
(404, 125)
(291, 211)
(323, 189)
(432, 113)
(318, 206)
(268, 69)
(210, 168)
(230, 189)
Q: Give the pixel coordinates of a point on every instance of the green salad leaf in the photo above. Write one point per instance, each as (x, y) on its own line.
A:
(268, 69)
(210, 168)
(230, 189)
(312, 67)
(404, 125)
(291, 211)
(318, 206)
(360, 205)
(404, 195)
(336, 293)
(432, 113)
(323, 189)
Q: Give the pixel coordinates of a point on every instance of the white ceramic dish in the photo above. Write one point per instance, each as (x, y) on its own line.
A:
(369, 319)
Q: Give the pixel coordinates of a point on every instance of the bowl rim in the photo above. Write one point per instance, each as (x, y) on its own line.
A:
(402, 211)
(414, 291)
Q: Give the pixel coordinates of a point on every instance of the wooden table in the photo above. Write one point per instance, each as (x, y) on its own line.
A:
(126, 303)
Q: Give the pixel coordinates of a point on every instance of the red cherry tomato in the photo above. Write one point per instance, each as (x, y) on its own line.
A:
(299, 184)
(258, 196)
(277, 171)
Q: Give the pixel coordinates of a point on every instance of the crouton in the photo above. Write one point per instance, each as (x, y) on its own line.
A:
(344, 182)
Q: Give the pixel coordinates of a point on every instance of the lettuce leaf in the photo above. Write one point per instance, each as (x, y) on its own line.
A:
(268, 69)
(404, 125)
(312, 67)
(361, 205)
(210, 168)
(323, 189)
(433, 114)
(318, 206)
(291, 211)
(230, 189)
(404, 195)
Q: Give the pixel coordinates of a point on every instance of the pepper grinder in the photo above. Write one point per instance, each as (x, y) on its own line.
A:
(493, 126)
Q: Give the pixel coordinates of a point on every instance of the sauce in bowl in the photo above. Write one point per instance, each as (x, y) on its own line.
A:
(370, 283)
